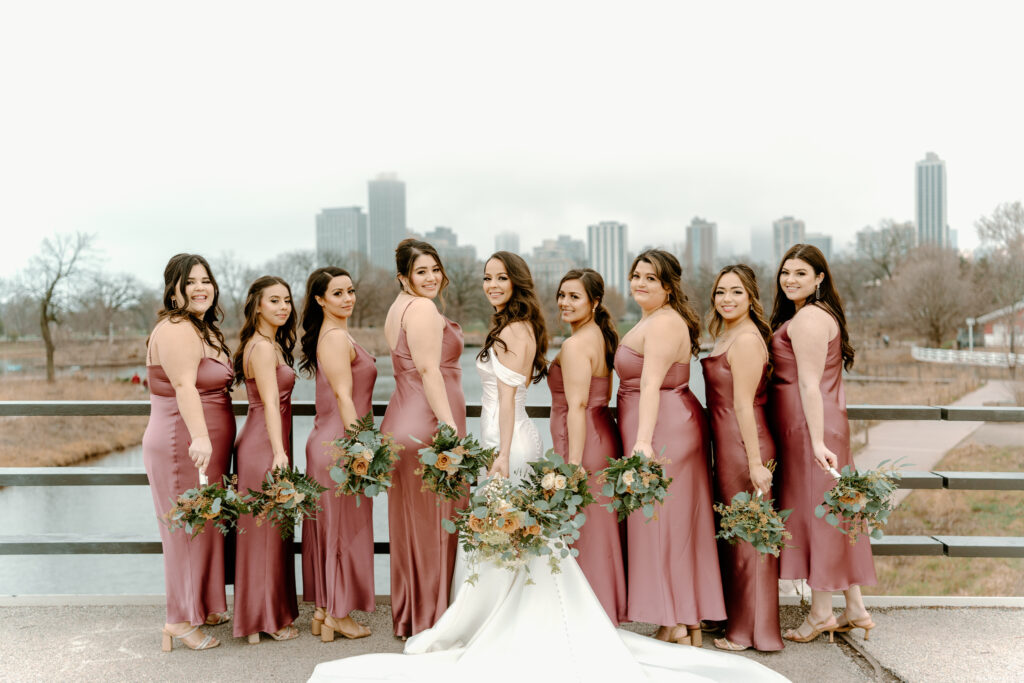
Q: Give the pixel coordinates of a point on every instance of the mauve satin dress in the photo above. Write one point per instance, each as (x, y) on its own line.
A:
(672, 562)
(337, 547)
(264, 562)
(193, 567)
(422, 553)
(818, 552)
(750, 580)
(601, 538)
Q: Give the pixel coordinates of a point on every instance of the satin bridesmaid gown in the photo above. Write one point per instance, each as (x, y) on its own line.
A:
(750, 580)
(264, 564)
(601, 538)
(672, 562)
(422, 553)
(193, 567)
(337, 547)
(818, 552)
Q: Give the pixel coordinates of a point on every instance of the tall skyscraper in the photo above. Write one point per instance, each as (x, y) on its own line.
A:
(447, 244)
(821, 241)
(786, 232)
(701, 245)
(341, 236)
(550, 261)
(607, 253)
(386, 205)
(507, 241)
(930, 201)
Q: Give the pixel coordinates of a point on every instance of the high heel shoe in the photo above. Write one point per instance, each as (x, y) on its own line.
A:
(816, 630)
(167, 642)
(847, 624)
(726, 644)
(218, 618)
(289, 632)
(318, 621)
(680, 635)
(696, 638)
(331, 626)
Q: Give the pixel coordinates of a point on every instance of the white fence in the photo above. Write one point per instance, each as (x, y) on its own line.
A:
(986, 358)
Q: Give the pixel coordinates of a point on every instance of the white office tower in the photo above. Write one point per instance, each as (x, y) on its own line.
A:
(930, 201)
(701, 245)
(507, 241)
(341, 237)
(386, 205)
(608, 255)
(786, 232)
(821, 241)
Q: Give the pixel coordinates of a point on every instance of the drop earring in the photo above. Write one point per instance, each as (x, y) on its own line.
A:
(817, 291)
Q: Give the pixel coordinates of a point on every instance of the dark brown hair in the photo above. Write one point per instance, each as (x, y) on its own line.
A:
(523, 305)
(593, 285)
(410, 249)
(313, 314)
(175, 279)
(285, 335)
(670, 274)
(825, 296)
(756, 312)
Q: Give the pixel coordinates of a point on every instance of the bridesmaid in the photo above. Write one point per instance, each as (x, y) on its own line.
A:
(735, 379)
(425, 350)
(337, 547)
(265, 564)
(673, 577)
(191, 430)
(582, 428)
(810, 349)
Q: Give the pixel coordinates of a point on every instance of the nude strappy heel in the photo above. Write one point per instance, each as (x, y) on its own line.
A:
(846, 624)
(168, 640)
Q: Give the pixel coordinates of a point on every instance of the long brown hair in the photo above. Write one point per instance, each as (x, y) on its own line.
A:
(670, 274)
(406, 253)
(593, 285)
(175, 279)
(523, 305)
(285, 335)
(313, 314)
(825, 296)
(748, 279)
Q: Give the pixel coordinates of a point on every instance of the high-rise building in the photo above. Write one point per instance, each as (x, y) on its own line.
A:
(786, 232)
(341, 238)
(554, 257)
(447, 244)
(701, 245)
(507, 241)
(607, 253)
(387, 226)
(821, 241)
(930, 201)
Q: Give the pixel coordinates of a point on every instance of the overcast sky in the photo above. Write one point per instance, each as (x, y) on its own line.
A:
(221, 126)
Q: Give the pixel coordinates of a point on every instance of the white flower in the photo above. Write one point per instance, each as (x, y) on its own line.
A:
(548, 481)
(560, 482)
(627, 477)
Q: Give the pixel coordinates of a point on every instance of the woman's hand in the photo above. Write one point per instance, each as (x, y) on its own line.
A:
(499, 466)
(644, 447)
(761, 478)
(200, 451)
(825, 457)
(280, 460)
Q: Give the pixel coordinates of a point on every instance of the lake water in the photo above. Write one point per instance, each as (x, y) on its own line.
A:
(127, 511)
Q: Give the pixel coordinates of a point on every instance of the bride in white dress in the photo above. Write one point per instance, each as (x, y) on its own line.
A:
(501, 628)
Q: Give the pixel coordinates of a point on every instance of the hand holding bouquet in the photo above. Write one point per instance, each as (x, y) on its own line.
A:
(555, 494)
(860, 502)
(286, 497)
(208, 503)
(755, 520)
(363, 460)
(450, 465)
(633, 483)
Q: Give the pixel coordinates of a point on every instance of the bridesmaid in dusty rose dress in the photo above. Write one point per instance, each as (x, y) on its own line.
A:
(582, 428)
(425, 351)
(672, 567)
(337, 547)
(265, 564)
(191, 430)
(735, 381)
(810, 348)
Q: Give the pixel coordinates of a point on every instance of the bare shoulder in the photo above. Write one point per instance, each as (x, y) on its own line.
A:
(519, 331)
(812, 320)
(422, 309)
(174, 331)
(748, 345)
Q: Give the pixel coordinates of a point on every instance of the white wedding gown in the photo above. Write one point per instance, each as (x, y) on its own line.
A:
(502, 629)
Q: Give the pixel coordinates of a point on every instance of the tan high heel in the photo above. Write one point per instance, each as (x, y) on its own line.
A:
(848, 624)
(288, 632)
(318, 621)
(167, 641)
(330, 627)
(816, 630)
(680, 635)
(696, 639)
(218, 618)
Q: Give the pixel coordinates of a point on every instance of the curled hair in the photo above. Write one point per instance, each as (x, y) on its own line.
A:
(593, 285)
(748, 279)
(670, 273)
(828, 300)
(523, 305)
(313, 314)
(410, 249)
(285, 335)
(175, 280)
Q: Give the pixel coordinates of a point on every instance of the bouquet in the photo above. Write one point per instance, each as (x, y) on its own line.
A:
(637, 482)
(286, 497)
(555, 494)
(363, 460)
(755, 520)
(450, 464)
(215, 503)
(860, 502)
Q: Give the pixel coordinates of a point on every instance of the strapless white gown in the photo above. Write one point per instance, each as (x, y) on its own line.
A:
(501, 629)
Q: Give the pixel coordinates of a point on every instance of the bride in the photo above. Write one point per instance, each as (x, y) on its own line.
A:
(500, 628)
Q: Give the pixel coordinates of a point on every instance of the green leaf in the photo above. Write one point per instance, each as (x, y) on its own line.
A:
(371, 490)
(448, 525)
(649, 510)
(480, 512)
(832, 519)
(819, 511)
(339, 474)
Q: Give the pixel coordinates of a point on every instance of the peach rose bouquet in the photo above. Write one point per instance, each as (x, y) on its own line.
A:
(216, 503)
(450, 465)
(860, 502)
(364, 460)
(286, 497)
(556, 493)
(634, 483)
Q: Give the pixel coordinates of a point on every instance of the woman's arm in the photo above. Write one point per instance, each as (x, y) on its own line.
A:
(517, 356)
(664, 339)
(263, 363)
(747, 359)
(576, 372)
(424, 330)
(334, 355)
(810, 332)
(180, 351)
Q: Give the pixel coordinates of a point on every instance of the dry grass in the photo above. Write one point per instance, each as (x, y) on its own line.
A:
(49, 441)
(959, 513)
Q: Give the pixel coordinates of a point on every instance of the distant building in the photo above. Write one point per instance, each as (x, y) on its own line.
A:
(701, 245)
(447, 244)
(930, 201)
(550, 261)
(786, 232)
(387, 224)
(821, 241)
(507, 241)
(341, 238)
(761, 246)
(608, 254)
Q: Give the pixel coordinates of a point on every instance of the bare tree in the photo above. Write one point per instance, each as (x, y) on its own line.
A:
(294, 267)
(464, 296)
(375, 290)
(233, 279)
(1004, 232)
(887, 247)
(108, 295)
(58, 263)
(927, 294)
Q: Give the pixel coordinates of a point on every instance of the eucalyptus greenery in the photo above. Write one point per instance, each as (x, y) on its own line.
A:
(860, 502)
(634, 483)
(364, 460)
